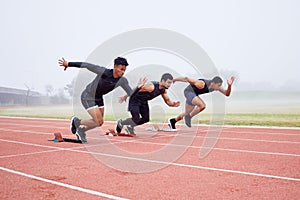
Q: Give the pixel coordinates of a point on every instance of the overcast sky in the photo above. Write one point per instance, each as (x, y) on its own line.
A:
(257, 40)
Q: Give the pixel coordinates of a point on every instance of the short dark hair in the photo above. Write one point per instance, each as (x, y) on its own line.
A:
(120, 61)
(217, 79)
(166, 76)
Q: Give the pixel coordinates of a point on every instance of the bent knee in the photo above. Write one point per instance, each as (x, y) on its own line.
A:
(136, 120)
(202, 106)
(99, 122)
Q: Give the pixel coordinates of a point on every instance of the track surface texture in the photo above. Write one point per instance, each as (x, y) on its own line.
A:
(244, 163)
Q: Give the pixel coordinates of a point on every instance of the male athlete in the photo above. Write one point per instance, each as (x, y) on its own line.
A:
(194, 104)
(138, 102)
(92, 97)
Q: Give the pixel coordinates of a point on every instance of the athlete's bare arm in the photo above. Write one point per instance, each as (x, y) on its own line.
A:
(168, 100)
(148, 87)
(198, 83)
(141, 83)
(229, 83)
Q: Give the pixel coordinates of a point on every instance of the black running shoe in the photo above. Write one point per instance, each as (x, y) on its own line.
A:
(187, 120)
(75, 123)
(172, 123)
(119, 126)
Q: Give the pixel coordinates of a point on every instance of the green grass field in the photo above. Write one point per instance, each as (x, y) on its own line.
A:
(266, 118)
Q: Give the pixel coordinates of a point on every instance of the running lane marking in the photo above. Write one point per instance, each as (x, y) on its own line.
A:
(179, 135)
(93, 192)
(180, 164)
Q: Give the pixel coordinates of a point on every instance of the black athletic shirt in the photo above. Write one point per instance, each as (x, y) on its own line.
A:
(104, 81)
(146, 96)
(200, 91)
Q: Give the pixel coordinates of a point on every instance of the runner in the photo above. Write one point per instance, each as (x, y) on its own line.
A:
(92, 97)
(194, 104)
(138, 103)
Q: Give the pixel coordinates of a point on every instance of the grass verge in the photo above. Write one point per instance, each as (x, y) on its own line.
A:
(250, 119)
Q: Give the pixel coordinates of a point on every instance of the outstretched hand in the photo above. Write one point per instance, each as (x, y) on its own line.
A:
(142, 82)
(64, 63)
(123, 99)
(176, 104)
(231, 80)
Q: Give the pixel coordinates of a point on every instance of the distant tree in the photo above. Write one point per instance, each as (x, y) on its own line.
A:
(49, 89)
(70, 88)
(27, 94)
(59, 97)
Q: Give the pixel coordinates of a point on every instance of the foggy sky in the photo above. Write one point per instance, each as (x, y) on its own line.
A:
(257, 40)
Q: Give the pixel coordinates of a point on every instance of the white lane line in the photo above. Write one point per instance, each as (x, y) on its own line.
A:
(29, 154)
(215, 148)
(34, 126)
(88, 191)
(56, 148)
(261, 133)
(185, 135)
(196, 166)
(176, 164)
(224, 131)
(32, 144)
(118, 141)
(33, 118)
(25, 131)
(198, 125)
(248, 139)
(44, 120)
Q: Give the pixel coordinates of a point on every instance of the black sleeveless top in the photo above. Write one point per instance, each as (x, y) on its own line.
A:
(143, 97)
(200, 91)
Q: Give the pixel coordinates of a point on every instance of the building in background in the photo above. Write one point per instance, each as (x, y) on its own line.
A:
(12, 96)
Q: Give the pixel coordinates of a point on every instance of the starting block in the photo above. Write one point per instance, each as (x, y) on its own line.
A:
(112, 132)
(58, 138)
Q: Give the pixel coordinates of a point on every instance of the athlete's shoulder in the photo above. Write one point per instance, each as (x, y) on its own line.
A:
(155, 82)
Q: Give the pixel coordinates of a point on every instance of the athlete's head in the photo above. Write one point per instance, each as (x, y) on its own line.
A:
(120, 65)
(216, 83)
(166, 80)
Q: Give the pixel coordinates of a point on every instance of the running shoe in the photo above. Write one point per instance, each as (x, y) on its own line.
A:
(129, 129)
(119, 126)
(75, 123)
(172, 123)
(187, 120)
(81, 133)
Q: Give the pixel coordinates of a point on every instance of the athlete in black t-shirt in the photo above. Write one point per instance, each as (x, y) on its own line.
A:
(92, 97)
(138, 102)
(194, 104)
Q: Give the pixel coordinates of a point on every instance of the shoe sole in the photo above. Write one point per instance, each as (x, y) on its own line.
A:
(82, 140)
(119, 126)
(188, 125)
(72, 125)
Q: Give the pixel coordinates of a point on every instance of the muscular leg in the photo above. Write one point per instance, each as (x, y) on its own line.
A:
(200, 106)
(188, 110)
(97, 118)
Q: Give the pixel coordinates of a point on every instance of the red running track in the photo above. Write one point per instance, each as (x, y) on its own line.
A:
(256, 163)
